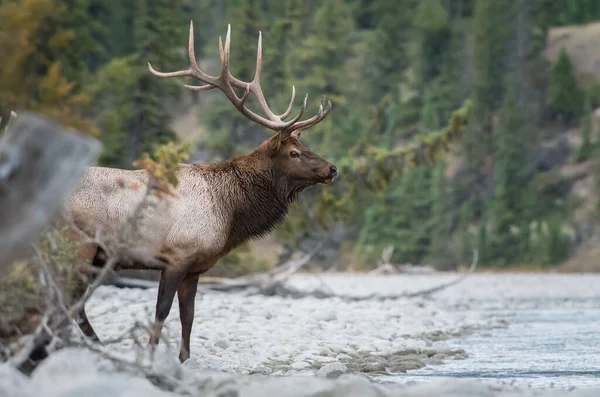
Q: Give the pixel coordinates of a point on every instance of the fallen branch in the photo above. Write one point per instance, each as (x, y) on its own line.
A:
(262, 281)
(275, 283)
(288, 291)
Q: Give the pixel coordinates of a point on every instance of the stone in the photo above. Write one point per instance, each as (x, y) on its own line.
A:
(332, 370)
(373, 367)
(301, 365)
(261, 369)
(343, 357)
(404, 352)
(209, 362)
(222, 343)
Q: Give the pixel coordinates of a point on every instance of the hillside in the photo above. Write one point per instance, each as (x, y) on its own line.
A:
(503, 112)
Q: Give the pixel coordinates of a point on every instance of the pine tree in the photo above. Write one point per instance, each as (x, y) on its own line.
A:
(38, 72)
(482, 238)
(322, 70)
(284, 36)
(431, 22)
(466, 244)
(401, 217)
(430, 120)
(491, 28)
(510, 205)
(586, 148)
(564, 98)
(439, 221)
(385, 68)
(116, 20)
(131, 100)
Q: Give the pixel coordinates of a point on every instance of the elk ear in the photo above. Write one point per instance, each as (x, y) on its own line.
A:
(275, 144)
(296, 134)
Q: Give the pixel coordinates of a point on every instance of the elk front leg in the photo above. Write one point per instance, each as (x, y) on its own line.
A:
(187, 298)
(170, 279)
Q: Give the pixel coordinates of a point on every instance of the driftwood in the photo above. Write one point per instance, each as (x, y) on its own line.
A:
(40, 164)
(264, 283)
(285, 290)
(275, 283)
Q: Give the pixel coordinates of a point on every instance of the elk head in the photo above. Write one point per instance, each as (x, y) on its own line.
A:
(288, 157)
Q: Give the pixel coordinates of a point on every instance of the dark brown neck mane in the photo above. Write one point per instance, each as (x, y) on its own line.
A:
(255, 197)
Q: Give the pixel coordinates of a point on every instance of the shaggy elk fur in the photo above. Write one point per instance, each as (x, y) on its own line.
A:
(217, 206)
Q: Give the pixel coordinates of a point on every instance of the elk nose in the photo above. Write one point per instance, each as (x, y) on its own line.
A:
(334, 171)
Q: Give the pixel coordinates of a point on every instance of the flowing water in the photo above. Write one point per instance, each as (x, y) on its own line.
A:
(551, 342)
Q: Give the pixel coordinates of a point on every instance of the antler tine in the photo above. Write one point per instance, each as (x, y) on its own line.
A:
(193, 71)
(258, 59)
(288, 111)
(299, 115)
(191, 50)
(225, 57)
(257, 88)
(324, 109)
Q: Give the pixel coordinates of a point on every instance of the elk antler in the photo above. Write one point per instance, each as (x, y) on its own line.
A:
(226, 81)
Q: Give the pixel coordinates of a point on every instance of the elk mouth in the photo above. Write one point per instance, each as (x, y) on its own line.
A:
(329, 179)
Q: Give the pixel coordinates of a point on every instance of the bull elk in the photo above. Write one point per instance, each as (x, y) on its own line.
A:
(217, 206)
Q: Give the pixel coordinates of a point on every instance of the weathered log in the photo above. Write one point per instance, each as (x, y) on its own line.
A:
(40, 165)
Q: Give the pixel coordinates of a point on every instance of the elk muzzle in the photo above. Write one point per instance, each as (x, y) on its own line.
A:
(331, 173)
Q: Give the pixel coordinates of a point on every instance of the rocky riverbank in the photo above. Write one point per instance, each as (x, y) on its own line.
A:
(249, 345)
(234, 332)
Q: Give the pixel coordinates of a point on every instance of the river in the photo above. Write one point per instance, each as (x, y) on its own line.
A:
(552, 340)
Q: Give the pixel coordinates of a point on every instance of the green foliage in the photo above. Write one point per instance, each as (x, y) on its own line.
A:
(439, 249)
(22, 294)
(586, 148)
(512, 201)
(431, 16)
(407, 78)
(385, 69)
(564, 97)
(397, 218)
(466, 234)
(550, 241)
(240, 262)
(42, 66)
(165, 169)
(430, 119)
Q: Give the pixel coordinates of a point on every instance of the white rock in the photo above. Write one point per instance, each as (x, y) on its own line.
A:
(210, 362)
(300, 365)
(328, 315)
(222, 343)
(261, 369)
(324, 359)
(441, 347)
(332, 370)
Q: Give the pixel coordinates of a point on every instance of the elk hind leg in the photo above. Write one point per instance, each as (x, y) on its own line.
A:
(80, 289)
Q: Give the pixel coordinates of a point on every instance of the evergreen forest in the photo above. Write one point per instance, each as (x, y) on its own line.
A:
(456, 124)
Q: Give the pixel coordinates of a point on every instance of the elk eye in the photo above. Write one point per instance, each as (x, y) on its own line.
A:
(294, 154)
